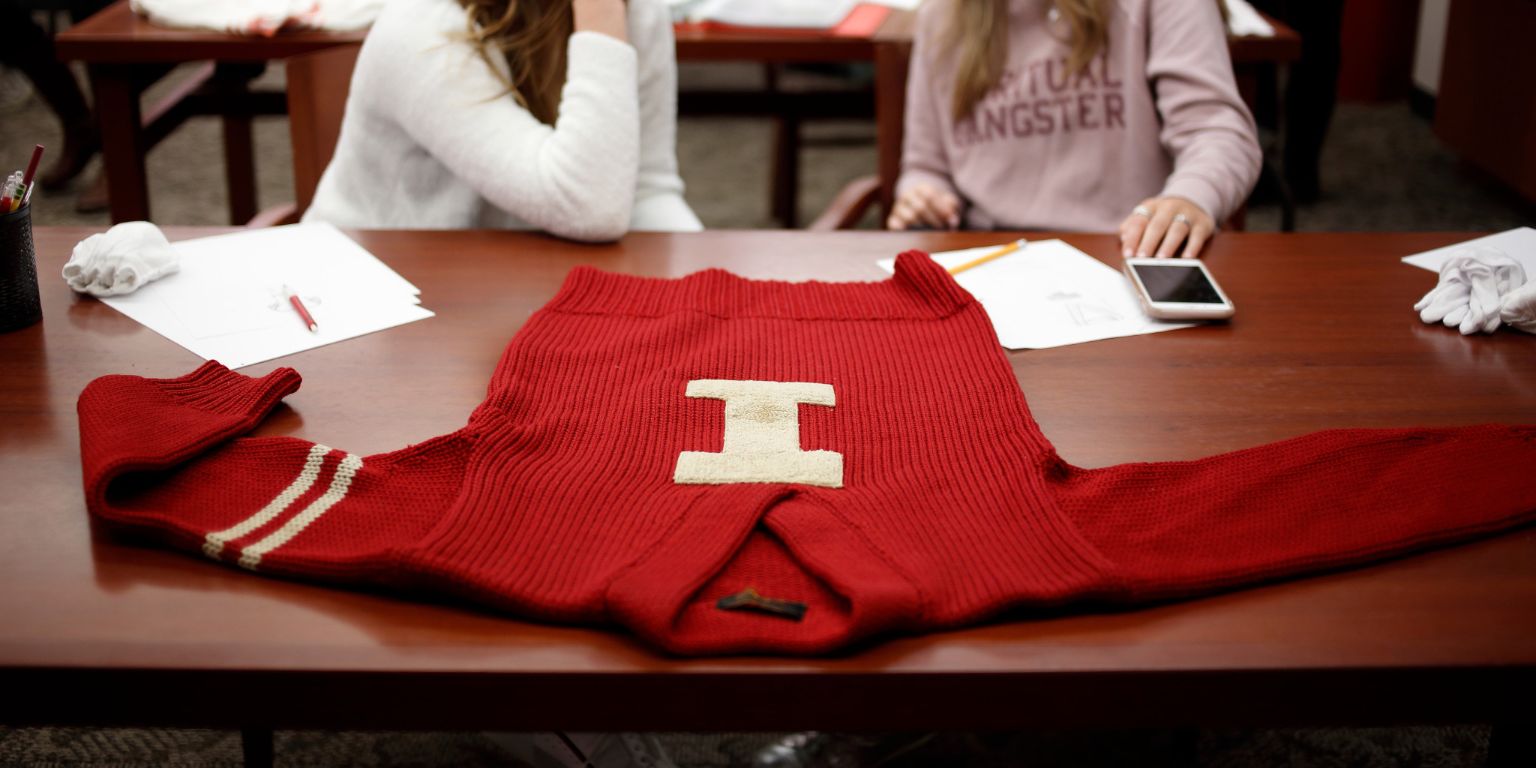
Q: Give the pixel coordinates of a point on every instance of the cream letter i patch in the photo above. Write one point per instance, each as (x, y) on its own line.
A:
(762, 436)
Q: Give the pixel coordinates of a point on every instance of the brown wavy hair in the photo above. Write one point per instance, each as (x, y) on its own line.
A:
(978, 29)
(531, 35)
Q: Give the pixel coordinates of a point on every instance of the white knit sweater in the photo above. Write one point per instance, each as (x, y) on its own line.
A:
(432, 140)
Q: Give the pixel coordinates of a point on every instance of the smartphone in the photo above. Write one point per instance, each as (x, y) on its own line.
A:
(1178, 289)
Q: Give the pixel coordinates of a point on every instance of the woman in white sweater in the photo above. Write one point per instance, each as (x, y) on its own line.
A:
(557, 115)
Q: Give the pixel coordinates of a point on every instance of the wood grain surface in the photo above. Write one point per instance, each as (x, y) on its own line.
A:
(99, 630)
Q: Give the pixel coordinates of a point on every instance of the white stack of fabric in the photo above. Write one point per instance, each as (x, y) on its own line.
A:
(260, 17)
(1244, 21)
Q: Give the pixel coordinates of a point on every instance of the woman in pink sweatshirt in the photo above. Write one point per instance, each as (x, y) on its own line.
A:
(1088, 115)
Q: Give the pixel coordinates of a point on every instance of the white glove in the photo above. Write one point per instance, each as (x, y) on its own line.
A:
(120, 260)
(1448, 299)
(1471, 289)
(1519, 308)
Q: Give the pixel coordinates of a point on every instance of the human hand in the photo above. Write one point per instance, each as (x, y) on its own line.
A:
(924, 205)
(609, 17)
(1159, 225)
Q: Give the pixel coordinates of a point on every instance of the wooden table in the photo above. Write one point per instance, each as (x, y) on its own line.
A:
(99, 631)
(125, 54)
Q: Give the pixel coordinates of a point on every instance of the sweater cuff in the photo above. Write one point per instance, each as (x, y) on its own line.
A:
(663, 212)
(217, 389)
(914, 176)
(133, 423)
(1198, 191)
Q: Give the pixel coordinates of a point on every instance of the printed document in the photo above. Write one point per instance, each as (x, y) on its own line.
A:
(1049, 294)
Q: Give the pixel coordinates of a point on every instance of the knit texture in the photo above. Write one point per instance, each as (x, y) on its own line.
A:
(561, 498)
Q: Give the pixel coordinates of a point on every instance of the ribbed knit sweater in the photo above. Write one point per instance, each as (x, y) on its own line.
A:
(859, 455)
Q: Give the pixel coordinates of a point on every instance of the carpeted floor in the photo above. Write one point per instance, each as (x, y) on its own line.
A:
(1419, 747)
(1383, 170)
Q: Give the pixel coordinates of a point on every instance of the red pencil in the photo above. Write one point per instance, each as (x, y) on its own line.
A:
(293, 298)
(26, 179)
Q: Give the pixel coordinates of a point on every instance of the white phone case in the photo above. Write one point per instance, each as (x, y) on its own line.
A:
(1173, 310)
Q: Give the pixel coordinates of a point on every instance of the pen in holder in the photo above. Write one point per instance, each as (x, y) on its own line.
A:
(20, 305)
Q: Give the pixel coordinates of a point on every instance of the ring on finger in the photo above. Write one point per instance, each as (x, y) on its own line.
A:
(1142, 211)
(1180, 218)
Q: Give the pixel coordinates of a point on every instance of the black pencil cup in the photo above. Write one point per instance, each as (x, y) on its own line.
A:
(19, 302)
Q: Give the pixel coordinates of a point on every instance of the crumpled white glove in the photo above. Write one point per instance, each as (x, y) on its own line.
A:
(120, 260)
(1470, 293)
(1519, 308)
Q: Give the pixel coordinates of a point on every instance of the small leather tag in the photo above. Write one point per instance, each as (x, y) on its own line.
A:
(749, 600)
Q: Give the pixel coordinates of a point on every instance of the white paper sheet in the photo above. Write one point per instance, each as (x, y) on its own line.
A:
(229, 300)
(1518, 244)
(787, 14)
(1243, 20)
(1049, 294)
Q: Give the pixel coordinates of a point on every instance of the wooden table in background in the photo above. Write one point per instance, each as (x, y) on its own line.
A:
(100, 631)
(125, 54)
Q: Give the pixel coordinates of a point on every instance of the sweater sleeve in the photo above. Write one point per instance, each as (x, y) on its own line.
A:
(923, 157)
(575, 179)
(659, 203)
(1325, 500)
(1206, 128)
(165, 458)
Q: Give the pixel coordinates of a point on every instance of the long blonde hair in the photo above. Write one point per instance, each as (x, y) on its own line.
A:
(531, 35)
(978, 29)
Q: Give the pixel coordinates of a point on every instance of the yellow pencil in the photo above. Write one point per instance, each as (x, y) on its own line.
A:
(984, 258)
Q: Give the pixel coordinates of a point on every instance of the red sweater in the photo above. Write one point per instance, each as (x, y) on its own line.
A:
(858, 454)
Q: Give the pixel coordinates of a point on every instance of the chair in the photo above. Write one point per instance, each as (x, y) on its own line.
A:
(855, 199)
(849, 206)
(77, 10)
(318, 84)
(790, 99)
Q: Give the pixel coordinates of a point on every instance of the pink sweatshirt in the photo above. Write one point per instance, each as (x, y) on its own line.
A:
(1159, 114)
